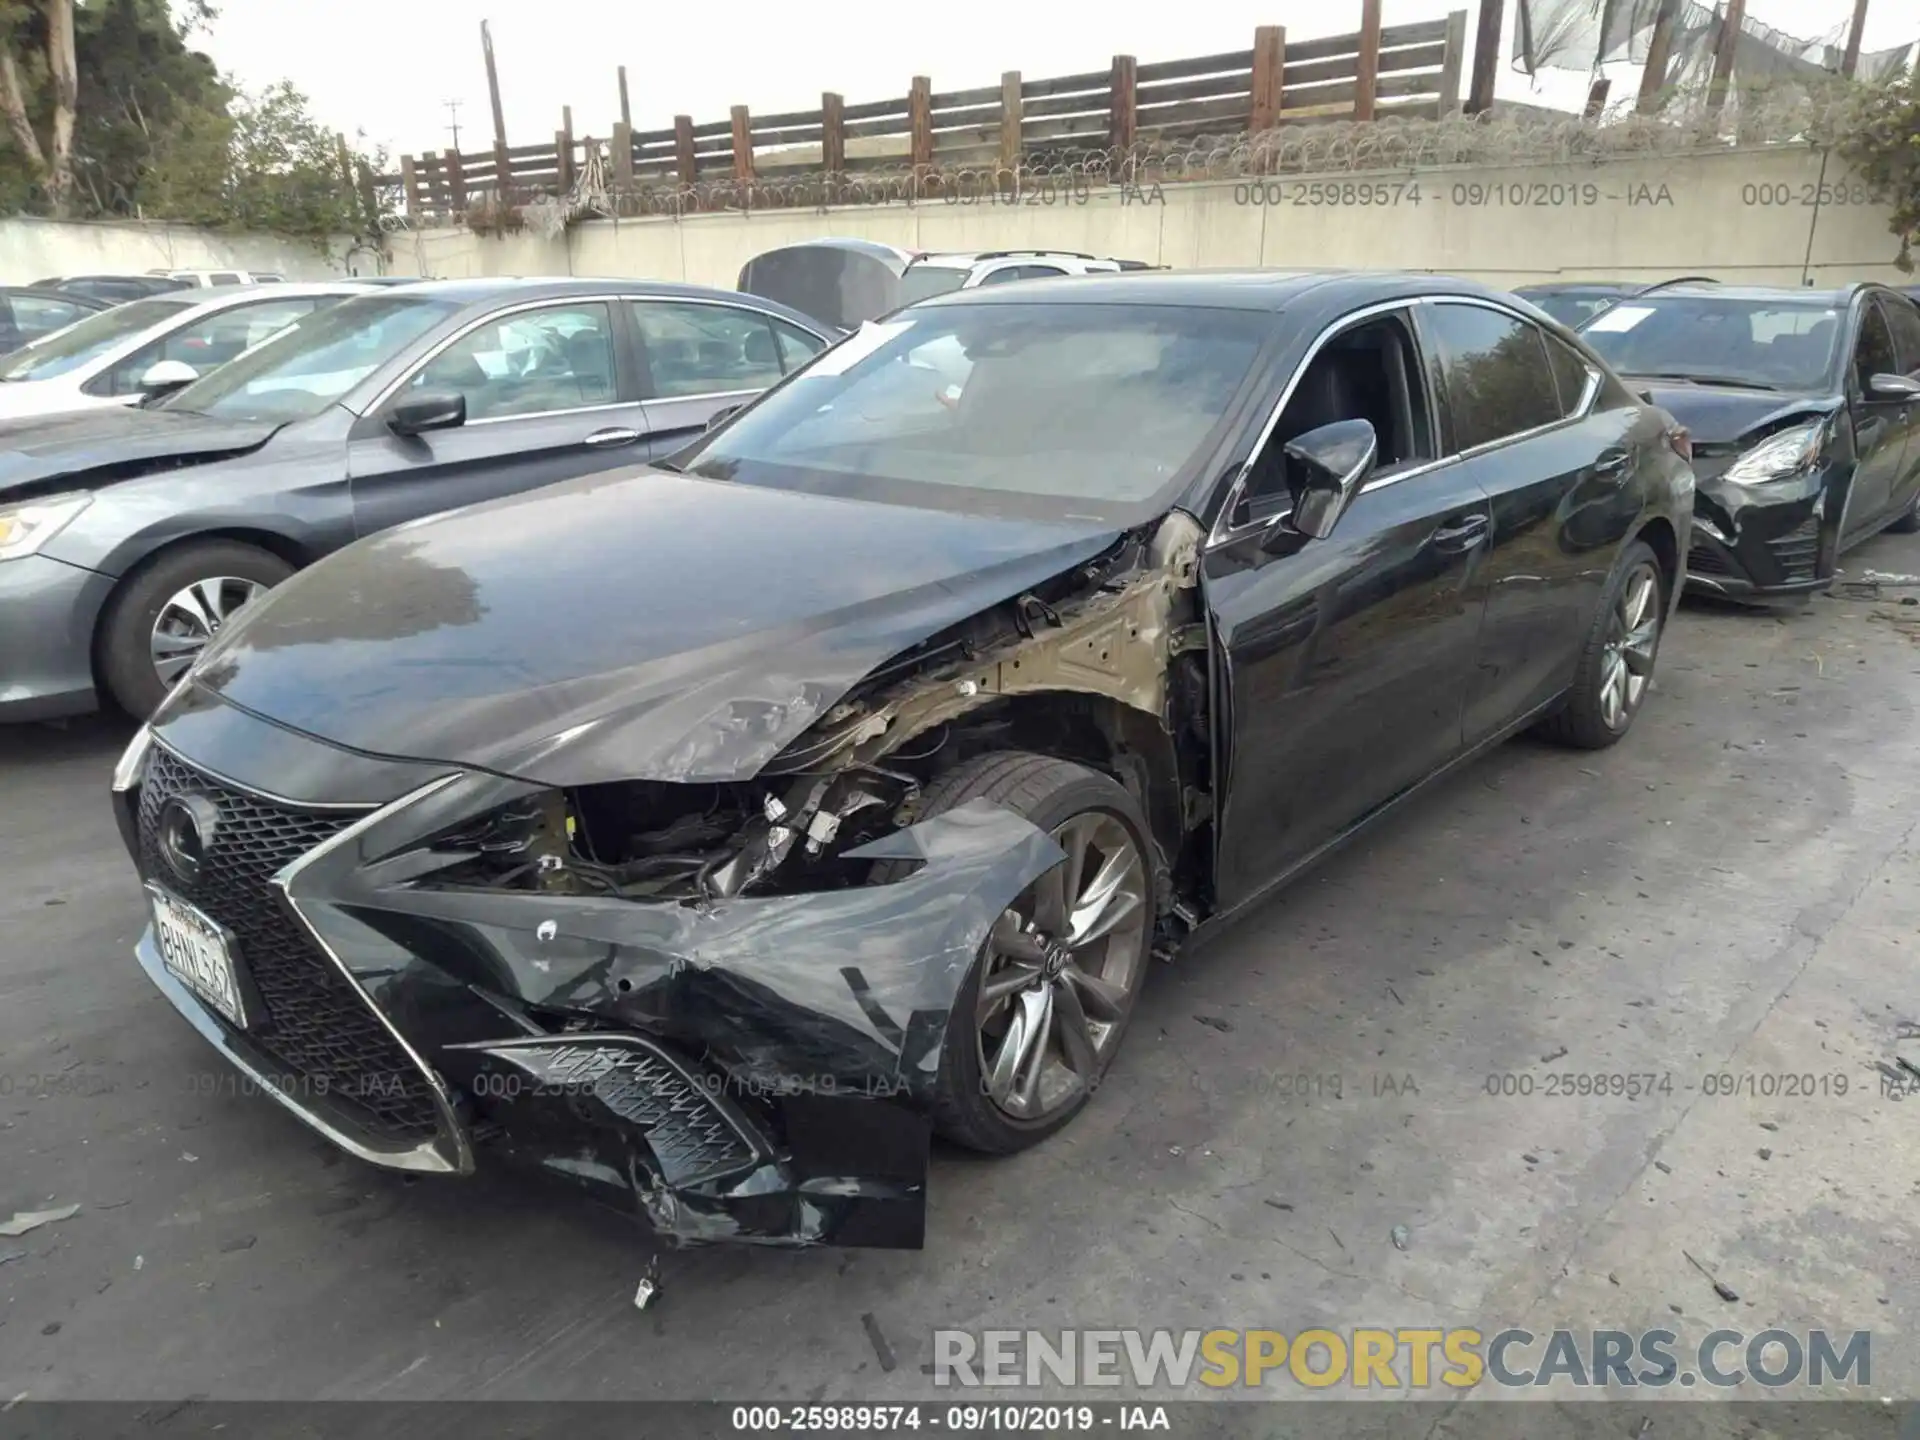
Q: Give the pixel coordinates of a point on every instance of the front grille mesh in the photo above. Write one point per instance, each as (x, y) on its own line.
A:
(688, 1133)
(315, 1024)
(1702, 561)
(1797, 551)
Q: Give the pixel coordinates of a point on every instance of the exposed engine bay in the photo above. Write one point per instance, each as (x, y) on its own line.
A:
(1107, 661)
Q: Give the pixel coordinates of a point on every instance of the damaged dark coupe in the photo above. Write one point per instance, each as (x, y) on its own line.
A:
(1803, 412)
(715, 832)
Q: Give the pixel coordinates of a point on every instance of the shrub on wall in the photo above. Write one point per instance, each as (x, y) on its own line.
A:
(1877, 132)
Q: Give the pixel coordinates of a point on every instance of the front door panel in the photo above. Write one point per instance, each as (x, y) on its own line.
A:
(1345, 668)
(398, 478)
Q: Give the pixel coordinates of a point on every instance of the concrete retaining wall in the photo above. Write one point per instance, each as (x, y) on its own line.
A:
(1777, 215)
(36, 249)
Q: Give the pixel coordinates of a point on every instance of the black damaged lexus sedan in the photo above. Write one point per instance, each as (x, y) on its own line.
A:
(1802, 408)
(712, 833)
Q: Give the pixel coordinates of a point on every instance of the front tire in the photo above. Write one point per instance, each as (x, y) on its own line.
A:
(1042, 1012)
(1616, 662)
(163, 615)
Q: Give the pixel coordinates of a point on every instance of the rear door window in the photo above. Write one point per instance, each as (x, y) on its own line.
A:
(695, 349)
(1572, 374)
(1494, 373)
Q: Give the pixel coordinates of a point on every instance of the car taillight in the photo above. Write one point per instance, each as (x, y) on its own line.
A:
(1681, 442)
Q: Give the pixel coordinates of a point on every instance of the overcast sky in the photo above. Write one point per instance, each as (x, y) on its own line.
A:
(388, 67)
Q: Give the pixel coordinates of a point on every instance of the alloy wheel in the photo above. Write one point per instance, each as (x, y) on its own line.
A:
(1060, 969)
(192, 617)
(1633, 635)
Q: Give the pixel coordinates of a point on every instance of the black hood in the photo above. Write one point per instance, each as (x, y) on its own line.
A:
(89, 448)
(631, 625)
(1717, 415)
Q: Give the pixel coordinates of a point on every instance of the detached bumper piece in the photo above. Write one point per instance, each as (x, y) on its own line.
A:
(752, 1070)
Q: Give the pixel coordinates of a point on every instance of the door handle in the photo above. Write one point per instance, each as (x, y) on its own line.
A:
(613, 437)
(1463, 536)
(1613, 464)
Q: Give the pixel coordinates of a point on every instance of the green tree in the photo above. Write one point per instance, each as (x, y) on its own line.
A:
(1878, 135)
(158, 132)
(37, 64)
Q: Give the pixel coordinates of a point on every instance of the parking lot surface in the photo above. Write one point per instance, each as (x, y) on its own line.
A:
(1308, 1124)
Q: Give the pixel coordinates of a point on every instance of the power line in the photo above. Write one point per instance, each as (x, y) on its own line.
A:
(453, 115)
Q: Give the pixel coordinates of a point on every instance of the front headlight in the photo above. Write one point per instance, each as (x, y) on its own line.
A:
(24, 528)
(1779, 456)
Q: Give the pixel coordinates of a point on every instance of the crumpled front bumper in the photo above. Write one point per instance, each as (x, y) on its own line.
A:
(1768, 540)
(749, 1070)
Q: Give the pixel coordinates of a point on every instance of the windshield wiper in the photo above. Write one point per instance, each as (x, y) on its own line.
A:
(1694, 377)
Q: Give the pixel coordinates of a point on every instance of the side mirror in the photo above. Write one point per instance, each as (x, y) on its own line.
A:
(1893, 387)
(1326, 468)
(722, 415)
(428, 410)
(164, 376)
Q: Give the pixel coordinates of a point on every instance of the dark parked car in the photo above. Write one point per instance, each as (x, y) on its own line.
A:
(709, 832)
(843, 282)
(115, 289)
(128, 536)
(1804, 412)
(1574, 302)
(27, 314)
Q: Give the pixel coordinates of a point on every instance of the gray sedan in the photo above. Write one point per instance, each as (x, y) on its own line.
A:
(129, 536)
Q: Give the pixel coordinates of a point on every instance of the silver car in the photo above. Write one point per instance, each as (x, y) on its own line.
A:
(123, 355)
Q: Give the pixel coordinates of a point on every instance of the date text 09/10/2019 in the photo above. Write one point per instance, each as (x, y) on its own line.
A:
(953, 1419)
(1078, 190)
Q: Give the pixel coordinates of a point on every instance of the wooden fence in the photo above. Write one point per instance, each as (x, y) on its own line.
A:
(1412, 70)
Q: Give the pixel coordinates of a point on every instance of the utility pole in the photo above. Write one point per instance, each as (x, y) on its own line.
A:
(1851, 62)
(453, 116)
(493, 88)
(502, 172)
(1486, 56)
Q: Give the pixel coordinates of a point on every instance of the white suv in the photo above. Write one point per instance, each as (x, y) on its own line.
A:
(208, 278)
(929, 275)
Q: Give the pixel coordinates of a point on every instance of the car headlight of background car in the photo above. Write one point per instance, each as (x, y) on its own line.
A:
(1780, 456)
(25, 527)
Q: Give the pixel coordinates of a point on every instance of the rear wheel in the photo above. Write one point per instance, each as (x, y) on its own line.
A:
(1043, 1010)
(1616, 662)
(163, 616)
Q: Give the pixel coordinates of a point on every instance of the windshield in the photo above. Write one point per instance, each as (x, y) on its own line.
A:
(1572, 310)
(1067, 411)
(69, 349)
(313, 362)
(1766, 344)
(920, 282)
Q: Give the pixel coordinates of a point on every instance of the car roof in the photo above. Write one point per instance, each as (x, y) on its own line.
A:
(1579, 287)
(543, 287)
(492, 290)
(1269, 290)
(1837, 298)
(220, 297)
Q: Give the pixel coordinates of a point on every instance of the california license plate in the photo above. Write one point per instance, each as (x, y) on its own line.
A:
(196, 953)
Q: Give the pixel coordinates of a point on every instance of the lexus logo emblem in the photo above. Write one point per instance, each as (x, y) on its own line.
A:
(187, 823)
